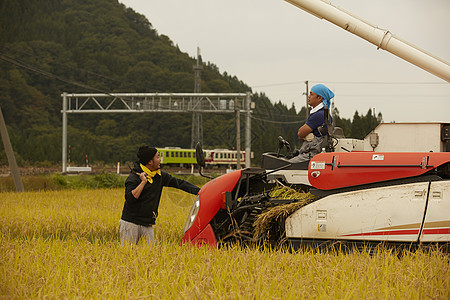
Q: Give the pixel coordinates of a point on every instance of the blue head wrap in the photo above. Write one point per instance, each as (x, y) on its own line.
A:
(326, 93)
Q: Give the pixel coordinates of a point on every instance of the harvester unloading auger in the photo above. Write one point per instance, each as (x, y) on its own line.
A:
(361, 198)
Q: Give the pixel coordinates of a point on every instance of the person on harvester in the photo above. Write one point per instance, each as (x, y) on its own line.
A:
(313, 133)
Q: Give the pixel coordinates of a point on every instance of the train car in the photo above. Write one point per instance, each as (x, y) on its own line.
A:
(222, 157)
(177, 156)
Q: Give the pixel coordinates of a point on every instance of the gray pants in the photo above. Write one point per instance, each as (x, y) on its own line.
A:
(309, 149)
(131, 233)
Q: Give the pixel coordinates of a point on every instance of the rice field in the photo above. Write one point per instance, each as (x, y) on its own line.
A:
(65, 244)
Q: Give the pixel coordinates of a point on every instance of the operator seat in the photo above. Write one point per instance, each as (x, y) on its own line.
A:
(270, 161)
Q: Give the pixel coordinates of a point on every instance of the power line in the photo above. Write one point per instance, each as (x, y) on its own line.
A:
(353, 83)
(390, 95)
(277, 122)
(48, 74)
(23, 52)
(381, 82)
(278, 84)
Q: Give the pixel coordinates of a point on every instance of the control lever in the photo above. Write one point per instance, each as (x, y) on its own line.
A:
(283, 143)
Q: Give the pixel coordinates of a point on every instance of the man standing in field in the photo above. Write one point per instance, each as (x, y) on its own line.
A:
(143, 189)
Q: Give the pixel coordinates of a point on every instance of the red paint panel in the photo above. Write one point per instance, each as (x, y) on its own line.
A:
(210, 202)
(206, 237)
(436, 231)
(334, 170)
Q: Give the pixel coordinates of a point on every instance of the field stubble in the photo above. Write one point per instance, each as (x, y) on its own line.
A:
(64, 244)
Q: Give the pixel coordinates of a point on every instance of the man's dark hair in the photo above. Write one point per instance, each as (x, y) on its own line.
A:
(146, 154)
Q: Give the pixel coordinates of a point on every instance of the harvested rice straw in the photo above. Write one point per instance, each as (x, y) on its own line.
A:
(279, 213)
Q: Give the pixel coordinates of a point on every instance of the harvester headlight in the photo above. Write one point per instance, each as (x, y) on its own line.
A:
(192, 214)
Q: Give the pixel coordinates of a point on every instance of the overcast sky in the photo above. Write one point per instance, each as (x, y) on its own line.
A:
(275, 47)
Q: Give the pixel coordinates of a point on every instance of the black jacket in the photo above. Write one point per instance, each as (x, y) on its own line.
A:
(144, 210)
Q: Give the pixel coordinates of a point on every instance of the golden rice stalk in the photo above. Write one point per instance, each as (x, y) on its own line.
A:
(279, 213)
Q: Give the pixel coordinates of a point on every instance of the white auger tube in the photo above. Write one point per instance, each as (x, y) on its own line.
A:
(379, 37)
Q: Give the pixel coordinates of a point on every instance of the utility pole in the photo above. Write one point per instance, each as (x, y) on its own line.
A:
(238, 137)
(197, 122)
(307, 93)
(10, 155)
(248, 130)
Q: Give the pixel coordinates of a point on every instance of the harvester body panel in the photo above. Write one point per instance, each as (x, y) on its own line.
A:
(392, 213)
(340, 169)
(437, 220)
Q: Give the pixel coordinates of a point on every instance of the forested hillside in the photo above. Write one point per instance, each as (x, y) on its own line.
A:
(83, 46)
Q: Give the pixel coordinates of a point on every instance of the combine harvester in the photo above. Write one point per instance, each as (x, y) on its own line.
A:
(389, 189)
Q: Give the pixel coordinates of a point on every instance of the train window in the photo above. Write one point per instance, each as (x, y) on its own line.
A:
(189, 154)
(161, 154)
(176, 154)
(171, 154)
(184, 154)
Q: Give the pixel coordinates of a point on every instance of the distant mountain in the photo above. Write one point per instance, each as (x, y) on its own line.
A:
(52, 46)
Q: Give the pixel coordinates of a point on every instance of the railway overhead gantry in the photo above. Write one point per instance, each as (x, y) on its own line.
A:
(159, 103)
